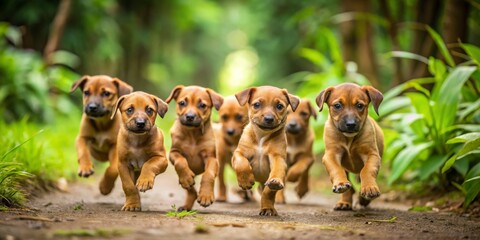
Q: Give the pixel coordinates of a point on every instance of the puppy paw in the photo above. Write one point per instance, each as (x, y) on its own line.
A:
(187, 179)
(268, 212)
(363, 201)
(370, 192)
(132, 207)
(293, 175)
(221, 198)
(246, 180)
(144, 183)
(341, 187)
(85, 171)
(274, 184)
(205, 200)
(343, 206)
(183, 208)
(106, 186)
(301, 190)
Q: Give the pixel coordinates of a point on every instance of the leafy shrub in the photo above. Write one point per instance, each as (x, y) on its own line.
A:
(429, 124)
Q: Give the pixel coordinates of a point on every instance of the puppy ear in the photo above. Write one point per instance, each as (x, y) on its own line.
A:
(174, 94)
(374, 95)
(79, 83)
(118, 104)
(123, 87)
(244, 96)
(313, 113)
(292, 99)
(217, 99)
(162, 107)
(323, 97)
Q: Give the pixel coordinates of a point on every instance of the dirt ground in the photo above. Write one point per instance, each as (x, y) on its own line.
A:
(82, 213)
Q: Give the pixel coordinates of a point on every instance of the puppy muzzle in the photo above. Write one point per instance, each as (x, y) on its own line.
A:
(139, 125)
(349, 125)
(95, 110)
(191, 120)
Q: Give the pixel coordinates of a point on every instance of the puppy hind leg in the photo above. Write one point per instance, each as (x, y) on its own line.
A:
(267, 202)
(111, 173)
(222, 188)
(302, 187)
(189, 201)
(346, 200)
(280, 197)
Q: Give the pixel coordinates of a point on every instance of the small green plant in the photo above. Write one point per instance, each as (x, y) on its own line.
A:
(78, 206)
(175, 213)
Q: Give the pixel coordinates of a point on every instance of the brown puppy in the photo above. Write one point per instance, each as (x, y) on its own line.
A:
(300, 156)
(193, 142)
(353, 141)
(141, 151)
(98, 133)
(262, 151)
(233, 119)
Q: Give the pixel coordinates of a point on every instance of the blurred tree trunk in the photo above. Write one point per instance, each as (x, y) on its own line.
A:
(357, 41)
(428, 12)
(455, 27)
(56, 30)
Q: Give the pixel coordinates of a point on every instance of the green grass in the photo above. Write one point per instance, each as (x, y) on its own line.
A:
(34, 156)
(175, 213)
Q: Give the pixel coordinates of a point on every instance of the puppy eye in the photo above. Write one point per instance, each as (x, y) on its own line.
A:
(239, 117)
(106, 94)
(304, 114)
(86, 93)
(182, 103)
(280, 107)
(224, 117)
(360, 106)
(129, 110)
(149, 111)
(202, 105)
(337, 106)
(256, 105)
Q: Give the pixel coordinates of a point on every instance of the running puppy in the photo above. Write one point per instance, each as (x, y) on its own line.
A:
(98, 132)
(193, 142)
(300, 157)
(262, 151)
(140, 145)
(353, 141)
(233, 119)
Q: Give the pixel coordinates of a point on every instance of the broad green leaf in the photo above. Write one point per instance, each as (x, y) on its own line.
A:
(407, 55)
(465, 127)
(464, 138)
(473, 179)
(448, 97)
(474, 171)
(437, 68)
(461, 166)
(472, 51)
(470, 109)
(472, 187)
(404, 159)
(433, 163)
(315, 57)
(388, 107)
(422, 105)
(469, 146)
(441, 45)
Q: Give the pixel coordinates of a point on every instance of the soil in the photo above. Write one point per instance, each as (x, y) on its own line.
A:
(83, 213)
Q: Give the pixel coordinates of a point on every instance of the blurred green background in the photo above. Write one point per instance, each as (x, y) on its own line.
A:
(422, 54)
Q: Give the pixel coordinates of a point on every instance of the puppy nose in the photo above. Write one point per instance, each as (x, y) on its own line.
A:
(351, 124)
(190, 116)
(140, 122)
(268, 119)
(92, 107)
(230, 131)
(292, 124)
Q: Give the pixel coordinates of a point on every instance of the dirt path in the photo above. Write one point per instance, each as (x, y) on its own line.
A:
(83, 211)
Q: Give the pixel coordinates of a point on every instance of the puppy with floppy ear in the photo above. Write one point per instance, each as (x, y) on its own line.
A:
(193, 142)
(140, 145)
(300, 156)
(233, 119)
(262, 150)
(98, 133)
(353, 141)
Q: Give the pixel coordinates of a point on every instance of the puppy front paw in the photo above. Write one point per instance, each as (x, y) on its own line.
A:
(343, 206)
(341, 187)
(268, 212)
(274, 184)
(132, 207)
(370, 192)
(205, 200)
(187, 179)
(245, 180)
(85, 171)
(145, 183)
